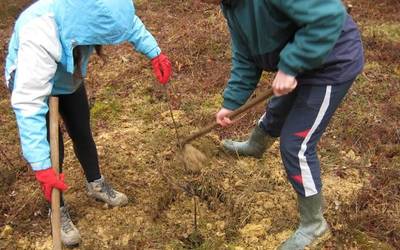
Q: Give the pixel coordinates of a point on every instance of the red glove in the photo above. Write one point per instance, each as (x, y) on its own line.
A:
(161, 68)
(49, 180)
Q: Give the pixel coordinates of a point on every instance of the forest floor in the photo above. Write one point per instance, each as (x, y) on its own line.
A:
(241, 203)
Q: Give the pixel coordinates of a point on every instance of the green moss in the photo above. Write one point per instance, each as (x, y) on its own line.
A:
(106, 110)
(140, 2)
(384, 32)
(368, 243)
(371, 66)
(211, 104)
(211, 244)
(216, 48)
(175, 245)
(161, 136)
(145, 111)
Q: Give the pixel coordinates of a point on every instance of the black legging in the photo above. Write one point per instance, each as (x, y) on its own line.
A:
(74, 110)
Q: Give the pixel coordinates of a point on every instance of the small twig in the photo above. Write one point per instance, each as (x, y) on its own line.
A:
(178, 138)
(195, 213)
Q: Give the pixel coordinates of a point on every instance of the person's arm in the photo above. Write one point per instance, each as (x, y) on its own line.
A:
(38, 53)
(320, 25)
(145, 43)
(244, 78)
(143, 40)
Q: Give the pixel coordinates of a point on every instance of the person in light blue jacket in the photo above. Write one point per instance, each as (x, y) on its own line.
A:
(48, 56)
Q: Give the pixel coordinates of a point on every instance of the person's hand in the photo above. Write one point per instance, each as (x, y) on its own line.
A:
(283, 84)
(49, 180)
(161, 68)
(222, 117)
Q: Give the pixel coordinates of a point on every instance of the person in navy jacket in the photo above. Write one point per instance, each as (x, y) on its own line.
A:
(316, 51)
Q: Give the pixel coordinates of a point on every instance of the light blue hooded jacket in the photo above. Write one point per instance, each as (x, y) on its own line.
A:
(40, 60)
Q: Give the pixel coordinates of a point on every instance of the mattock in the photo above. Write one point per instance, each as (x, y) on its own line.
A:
(55, 162)
(263, 96)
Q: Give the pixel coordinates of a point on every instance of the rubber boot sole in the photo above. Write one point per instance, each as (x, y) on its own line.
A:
(316, 244)
(228, 148)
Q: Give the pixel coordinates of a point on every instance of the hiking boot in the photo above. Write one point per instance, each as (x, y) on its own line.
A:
(101, 190)
(255, 146)
(313, 229)
(69, 233)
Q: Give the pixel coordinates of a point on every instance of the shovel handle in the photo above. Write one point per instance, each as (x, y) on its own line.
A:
(234, 114)
(55, 162)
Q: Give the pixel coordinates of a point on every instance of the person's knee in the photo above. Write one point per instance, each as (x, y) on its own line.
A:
(289, 148)
(82, 140)
(80, 133)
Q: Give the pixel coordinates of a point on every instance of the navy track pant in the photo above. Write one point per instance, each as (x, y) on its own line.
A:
(299, 119)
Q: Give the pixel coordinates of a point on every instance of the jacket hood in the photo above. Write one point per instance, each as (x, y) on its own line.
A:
(92, 22)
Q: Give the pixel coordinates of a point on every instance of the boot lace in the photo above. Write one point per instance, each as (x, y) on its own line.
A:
(107, 188)
(66, 221)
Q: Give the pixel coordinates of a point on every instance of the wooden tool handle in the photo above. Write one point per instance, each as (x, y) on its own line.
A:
(55, 162)
(234, 114)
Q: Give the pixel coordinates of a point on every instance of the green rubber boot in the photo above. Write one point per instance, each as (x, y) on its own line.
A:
(255, 146)
(313, 228)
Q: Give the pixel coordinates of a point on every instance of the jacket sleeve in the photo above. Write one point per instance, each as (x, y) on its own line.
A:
(245, 76)
(36, 66)
(143, 41)
(320, 25)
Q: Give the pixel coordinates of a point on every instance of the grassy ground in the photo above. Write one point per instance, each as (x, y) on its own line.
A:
(240, 203)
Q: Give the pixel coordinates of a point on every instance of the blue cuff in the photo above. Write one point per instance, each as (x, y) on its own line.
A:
(41, 165)
(230, 104)
(153, 53)
(287, 69)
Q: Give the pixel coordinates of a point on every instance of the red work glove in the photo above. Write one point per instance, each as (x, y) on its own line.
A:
(49, 180)
(161, 68)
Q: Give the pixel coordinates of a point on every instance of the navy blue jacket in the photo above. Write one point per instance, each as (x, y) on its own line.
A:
(315, 41)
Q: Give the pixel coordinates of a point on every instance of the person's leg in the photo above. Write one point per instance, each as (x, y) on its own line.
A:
(277, 110)
(74, 109)
(267, 129)
(311, 112)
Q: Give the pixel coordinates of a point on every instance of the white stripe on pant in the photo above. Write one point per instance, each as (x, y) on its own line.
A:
(308, 181)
